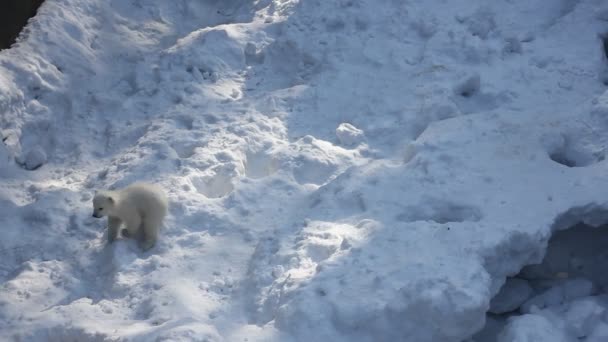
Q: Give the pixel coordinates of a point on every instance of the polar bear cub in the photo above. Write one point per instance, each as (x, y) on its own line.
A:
(140, 206)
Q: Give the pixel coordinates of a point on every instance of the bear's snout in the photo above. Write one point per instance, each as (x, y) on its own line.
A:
(95, 216)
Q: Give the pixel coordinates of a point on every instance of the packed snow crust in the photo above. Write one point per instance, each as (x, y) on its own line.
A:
(349, 170)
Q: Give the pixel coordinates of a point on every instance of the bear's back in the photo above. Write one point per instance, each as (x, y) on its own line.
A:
(148, 198)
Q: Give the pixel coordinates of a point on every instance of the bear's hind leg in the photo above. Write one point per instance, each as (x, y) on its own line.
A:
(150, 235)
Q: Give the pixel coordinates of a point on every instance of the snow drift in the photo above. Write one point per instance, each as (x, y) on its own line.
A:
(349, 170)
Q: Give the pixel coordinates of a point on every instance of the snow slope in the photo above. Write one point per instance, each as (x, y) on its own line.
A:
(351, 170)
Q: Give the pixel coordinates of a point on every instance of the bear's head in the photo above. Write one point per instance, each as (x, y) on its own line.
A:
(103, 204)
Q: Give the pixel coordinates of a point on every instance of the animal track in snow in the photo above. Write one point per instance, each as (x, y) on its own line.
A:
(184, 122)
(312, 171)
(216, 186)
(217, 183)
(259, 165)
(319, 246)
(186, 149)
(480, 24)
(471, 99)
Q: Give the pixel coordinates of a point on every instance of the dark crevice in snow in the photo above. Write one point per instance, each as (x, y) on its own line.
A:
(591, 215)
(604, 70)
(568, 289)
(561, 158)
(440, 211)
(605, 44)
(14, 15)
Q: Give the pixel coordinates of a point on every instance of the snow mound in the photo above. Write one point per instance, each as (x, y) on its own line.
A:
(34, 158)
(368, 170)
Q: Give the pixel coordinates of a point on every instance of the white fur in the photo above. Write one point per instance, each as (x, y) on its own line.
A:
(140, 206)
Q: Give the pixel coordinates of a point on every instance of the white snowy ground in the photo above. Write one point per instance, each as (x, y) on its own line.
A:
(349, 170)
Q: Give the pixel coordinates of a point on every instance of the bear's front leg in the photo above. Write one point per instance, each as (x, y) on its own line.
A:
(133, 227)
(113, 225)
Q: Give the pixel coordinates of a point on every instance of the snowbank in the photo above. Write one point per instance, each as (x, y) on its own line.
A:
(337, 170)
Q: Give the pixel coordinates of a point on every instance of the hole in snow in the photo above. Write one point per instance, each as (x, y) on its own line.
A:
(567, 292)
(572, 154)
(562, 158)
(14, 15)
(469, 86)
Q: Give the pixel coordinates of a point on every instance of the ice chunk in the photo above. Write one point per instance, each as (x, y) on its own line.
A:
(568, 290)
(532, 328)
(349, 135)
(511, 296)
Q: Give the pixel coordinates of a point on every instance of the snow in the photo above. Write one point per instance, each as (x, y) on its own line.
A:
(530, 328)
(564, 294)
(579, 319)
(349, 170)
(349, 135)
